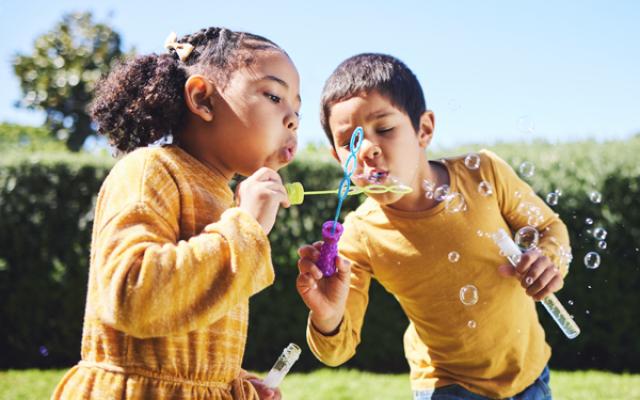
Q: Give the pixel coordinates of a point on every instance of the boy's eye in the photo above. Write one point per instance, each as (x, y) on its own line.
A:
(272, 97)
(382, 131)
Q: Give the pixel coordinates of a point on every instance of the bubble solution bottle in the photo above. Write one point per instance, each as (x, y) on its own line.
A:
(551, 302)
(283, 364)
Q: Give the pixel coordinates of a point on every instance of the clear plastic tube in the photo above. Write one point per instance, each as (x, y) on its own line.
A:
(551, 302)
(283, 364)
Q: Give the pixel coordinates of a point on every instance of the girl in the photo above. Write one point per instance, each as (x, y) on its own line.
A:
(173, 259)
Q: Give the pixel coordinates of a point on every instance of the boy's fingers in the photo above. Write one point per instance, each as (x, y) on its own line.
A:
(506, 270)
(308, 251)
(527, 260)
(343, 265)
(305, 283)
(542, 282)
(307, 266)
(536, 269)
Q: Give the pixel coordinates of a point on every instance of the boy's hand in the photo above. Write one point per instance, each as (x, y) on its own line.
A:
(537, 274)
(265, 392)
(325, 297)
(261, 195)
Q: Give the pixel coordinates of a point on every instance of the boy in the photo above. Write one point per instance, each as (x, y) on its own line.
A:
(424, 248)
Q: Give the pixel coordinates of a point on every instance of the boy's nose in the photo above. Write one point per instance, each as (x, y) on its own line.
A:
(369, 150)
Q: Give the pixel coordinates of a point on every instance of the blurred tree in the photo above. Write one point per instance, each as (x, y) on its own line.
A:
(61, 73)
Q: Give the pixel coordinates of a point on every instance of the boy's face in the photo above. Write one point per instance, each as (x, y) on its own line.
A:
(390, 148)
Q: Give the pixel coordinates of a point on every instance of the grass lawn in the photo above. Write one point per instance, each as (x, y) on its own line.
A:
(355, 385)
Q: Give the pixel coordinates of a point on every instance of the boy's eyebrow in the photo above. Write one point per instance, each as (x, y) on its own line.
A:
(377, 114)
(281, 82)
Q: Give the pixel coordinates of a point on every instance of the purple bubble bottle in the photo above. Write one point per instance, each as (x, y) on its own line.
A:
(329, 249)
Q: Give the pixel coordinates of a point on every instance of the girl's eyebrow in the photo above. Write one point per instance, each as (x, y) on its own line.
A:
(279, 81)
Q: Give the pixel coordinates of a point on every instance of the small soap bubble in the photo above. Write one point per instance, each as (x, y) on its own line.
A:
(469, 295)
(570, 302)
(517, 194)
(587, 312)
(600, 233)
(527, 238)
(525, 124)
(454, 202)
(588, 221)
(454, 256)
(552, 198)
(471, 324)
(592, 260)
(479, 233)
(44, 352)
(527, 169)
(429, 188)
(602, 245)
(595, 197)
(472, 161)
(441, 192)
(485, 189)
(528, 281)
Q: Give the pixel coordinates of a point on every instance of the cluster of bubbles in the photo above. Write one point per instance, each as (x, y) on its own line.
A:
(533, 213)
(454, 202)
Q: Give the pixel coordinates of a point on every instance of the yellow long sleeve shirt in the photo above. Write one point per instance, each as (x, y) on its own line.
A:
(173, 265)
(495, 347)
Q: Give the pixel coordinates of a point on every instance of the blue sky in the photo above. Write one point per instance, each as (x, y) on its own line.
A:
(492, 70)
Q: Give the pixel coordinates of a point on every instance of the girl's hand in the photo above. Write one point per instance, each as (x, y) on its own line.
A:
(325, 297)
(261, 195)
(265, 392)
(537, 274)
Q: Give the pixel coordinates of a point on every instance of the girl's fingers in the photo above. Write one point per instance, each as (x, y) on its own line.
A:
(305, 283)
(506, 270)
(343, 265)
(553, 286)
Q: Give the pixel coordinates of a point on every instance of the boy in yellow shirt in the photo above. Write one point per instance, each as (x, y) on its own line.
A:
(430, 248)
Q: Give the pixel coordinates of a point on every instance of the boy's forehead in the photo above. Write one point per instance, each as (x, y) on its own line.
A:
(361, 108)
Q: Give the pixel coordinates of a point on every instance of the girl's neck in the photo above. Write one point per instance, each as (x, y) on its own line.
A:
(200, 151)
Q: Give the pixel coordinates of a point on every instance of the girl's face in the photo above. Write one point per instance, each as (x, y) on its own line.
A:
(256, 114)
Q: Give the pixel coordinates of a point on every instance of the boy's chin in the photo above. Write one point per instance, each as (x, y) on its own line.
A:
(385, 199)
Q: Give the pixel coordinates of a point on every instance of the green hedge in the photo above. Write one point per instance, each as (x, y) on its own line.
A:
(45, 220)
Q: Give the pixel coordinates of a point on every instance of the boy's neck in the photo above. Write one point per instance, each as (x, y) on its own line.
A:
(432, 171)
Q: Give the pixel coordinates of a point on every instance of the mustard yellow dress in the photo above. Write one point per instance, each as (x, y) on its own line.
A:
(173, 265)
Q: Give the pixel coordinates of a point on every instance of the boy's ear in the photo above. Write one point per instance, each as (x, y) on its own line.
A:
(425, 129)
(198, 94)
(334, 154)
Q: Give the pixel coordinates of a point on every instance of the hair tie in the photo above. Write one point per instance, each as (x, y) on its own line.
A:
(182, 49)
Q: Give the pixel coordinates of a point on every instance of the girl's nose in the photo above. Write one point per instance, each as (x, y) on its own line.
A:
(291, 121)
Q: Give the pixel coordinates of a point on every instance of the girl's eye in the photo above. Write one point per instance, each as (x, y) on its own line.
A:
(273, 97)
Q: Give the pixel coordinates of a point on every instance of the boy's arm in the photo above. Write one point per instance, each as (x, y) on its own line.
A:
(520, 206)
(335, 348)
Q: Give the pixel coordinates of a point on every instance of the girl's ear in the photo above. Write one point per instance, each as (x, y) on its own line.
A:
(198, 94)
(425, 130)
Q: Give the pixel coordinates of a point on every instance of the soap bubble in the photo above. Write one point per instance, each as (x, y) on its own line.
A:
(527, 238)
(469, 295)
(44, 352)
(485, 189)
(595, 197)
(429, 188)
(454, 256)
(552, 198)
(454, 202)
(472, 161)
(525, 124)
(600, 233)
(592, 260)
(527, 169)
(588, 221)
(602, 245)
(441, 192)
(471, 324)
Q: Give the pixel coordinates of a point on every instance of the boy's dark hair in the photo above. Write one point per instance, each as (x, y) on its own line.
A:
(142, 99)
(373, 72)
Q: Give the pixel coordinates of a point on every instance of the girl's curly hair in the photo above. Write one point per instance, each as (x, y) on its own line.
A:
(142, 98)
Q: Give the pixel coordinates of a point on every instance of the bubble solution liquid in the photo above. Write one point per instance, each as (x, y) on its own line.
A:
(283, 364)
